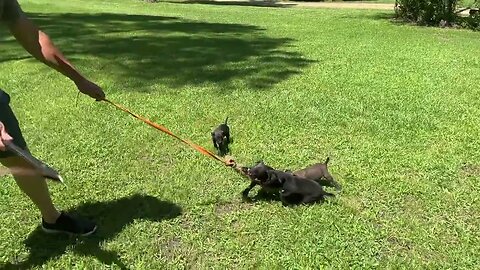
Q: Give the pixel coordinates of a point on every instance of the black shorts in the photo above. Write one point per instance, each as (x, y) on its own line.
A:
(7, 117)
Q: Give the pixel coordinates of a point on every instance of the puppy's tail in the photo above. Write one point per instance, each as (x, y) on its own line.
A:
(226, 120)
(326, 161)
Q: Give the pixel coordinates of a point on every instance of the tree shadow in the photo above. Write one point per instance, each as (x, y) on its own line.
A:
(139, 52)
(363, 1)
(111, 216)
(251, 3)
(378, 15)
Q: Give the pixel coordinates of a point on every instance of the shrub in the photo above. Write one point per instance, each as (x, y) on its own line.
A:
(426, 12)
(472, 21)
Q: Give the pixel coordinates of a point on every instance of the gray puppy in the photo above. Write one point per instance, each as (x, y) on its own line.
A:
(319, 173)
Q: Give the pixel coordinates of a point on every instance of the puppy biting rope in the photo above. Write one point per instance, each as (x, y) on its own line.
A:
(227, 161)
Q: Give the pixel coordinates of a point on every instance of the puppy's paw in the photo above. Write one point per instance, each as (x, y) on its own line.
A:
(245, 198)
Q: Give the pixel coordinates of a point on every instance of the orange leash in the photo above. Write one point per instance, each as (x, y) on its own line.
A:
(197, 147)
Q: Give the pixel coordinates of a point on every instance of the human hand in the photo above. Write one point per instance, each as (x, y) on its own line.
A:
(4, 136)
(90, 89)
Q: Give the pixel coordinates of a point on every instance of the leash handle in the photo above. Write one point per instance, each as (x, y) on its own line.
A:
(229, 162)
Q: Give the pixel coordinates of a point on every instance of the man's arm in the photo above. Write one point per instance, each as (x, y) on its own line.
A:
(39, 45)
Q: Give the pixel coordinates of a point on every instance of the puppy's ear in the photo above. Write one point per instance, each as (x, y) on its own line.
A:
(271, 176)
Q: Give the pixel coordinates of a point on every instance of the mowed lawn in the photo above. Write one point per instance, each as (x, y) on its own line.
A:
(396, 107)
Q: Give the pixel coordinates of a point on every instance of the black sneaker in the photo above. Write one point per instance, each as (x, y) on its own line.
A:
(70, 225)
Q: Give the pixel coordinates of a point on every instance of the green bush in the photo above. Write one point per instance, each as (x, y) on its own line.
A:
(427, 12)
(472, 21)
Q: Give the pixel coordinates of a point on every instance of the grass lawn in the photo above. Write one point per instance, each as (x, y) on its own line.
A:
(359, 1)
(395, 107)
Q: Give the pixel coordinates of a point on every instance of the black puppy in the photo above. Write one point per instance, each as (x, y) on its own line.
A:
(221, 138)
(318, 172)
(295, 189)
(258, 175)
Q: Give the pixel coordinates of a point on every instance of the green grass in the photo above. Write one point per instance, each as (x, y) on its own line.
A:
(467, 3)
(395, 107)
(364, 1)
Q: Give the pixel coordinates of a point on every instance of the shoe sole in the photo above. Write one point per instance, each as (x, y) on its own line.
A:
(69, 233)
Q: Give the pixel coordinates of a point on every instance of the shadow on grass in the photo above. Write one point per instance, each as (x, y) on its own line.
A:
(263, 195)
(111, 216)
(139, 51)
(251, 3)
(378, 15)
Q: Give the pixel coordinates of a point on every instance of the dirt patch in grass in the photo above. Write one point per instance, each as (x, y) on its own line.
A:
(231, 207)
(470, 170)
(353, 203)
(171, 247)
(399, 245)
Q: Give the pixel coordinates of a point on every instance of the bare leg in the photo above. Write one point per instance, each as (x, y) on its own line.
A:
(35, 187)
